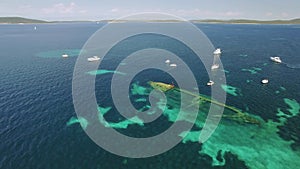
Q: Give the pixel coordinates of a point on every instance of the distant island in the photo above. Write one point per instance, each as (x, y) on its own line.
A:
(246, 21)
(12, 20)
(20, 20)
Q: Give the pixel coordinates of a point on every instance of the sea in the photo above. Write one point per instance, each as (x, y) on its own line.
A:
(39, 128)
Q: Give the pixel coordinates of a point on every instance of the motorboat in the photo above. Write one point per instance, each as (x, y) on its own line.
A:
(276, 59)
(65, 55)
(167, 61)
(173, 65)
(93, 59)
(217, 51)
(264, 81)
(210, 83)
(215, 66)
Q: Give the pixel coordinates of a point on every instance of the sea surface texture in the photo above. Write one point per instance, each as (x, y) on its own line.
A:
(39, 128)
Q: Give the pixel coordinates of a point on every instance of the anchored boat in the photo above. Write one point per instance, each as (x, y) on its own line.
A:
(276, 59)
(93, 59)
(65, 55)
(217, 51)
(210, 83)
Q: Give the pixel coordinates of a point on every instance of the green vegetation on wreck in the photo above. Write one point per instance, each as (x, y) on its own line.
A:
(239, 116)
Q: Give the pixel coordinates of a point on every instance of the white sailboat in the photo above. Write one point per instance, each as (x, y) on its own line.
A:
(217, 54)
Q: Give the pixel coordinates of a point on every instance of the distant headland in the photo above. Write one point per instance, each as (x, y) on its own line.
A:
(12, 20)
(21, 20)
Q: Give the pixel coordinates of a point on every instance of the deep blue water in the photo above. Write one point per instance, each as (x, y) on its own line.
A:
(36, 92)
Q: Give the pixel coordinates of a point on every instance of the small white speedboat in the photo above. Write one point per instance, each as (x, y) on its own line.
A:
(217, 51)
(264, 81)
(93, 59)
(276, 59)
(65, 55)
(210, 83)
(167, 61)
(173, 65)
(215, 66)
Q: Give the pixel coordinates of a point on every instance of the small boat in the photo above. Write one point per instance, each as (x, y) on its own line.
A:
(93, 59)
(173, 65)
(276, 59)
(215, 66)
(217, 51)
(65, 55)
(167, 61)
(264, 81)
(210, 83)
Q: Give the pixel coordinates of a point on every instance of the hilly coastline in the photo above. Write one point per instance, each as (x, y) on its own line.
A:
(12, 20)
(19, 20)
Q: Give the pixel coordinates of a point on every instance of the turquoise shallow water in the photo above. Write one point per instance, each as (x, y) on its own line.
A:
(38, 127)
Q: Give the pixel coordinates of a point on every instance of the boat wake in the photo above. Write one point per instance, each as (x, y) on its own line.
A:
(293, 65)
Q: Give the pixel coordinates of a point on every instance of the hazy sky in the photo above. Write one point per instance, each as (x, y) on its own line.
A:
(188, 9)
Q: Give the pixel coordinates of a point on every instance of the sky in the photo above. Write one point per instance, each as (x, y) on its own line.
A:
(51, 10)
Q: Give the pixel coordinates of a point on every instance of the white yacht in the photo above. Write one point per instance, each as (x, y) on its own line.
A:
(276, 59)
(65, 55)
(93, 59)
(217, 51)
(210, 83)
(264, 81)
(215, 66)
(167, 61)
(173, 65)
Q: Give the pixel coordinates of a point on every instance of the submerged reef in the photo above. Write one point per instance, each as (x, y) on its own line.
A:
(103, 71)
(240, 137)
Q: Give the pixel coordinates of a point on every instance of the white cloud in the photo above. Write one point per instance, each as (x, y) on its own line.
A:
(269, 14)
(206, 14)
(61, 8)
(83, 11)
(114, 10)
(284, 14)
(25, 7)
(232, 14)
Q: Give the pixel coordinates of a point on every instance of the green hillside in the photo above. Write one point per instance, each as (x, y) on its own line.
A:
(246, 21)
(234, 21)
(19, 20)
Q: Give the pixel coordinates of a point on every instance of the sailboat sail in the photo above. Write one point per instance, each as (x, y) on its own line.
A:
(217, 54)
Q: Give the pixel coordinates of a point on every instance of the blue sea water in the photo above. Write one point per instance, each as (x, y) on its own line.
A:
(36, 93)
